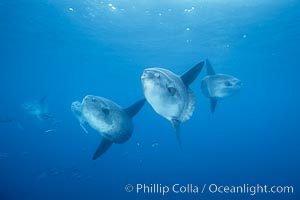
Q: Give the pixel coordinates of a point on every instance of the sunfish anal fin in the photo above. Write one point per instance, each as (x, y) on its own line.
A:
(176, 125)
(135, 108)
(213, 103)
(209, 68)
(189, 76)
(103, 146)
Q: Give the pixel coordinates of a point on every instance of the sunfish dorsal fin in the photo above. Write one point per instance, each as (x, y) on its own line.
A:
(176, 125)
(103, 146)
(189, 76)
(213, 103)
(135, 108)
(209, 69)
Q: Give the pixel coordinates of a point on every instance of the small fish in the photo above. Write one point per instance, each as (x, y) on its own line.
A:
(54, 172)
(50, 131)
(76, 173)
(155, 144)
(138, 144)
(56, 123)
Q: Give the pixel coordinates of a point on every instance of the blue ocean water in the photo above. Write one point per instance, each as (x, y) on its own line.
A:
(65, 49)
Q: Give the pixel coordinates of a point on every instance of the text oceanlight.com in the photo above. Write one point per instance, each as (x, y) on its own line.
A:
(207, 188)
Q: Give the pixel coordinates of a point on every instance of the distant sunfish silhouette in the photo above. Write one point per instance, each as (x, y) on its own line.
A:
(76, 107)
(170, 95)
(218, 86)
(110, 120)
(38, 108)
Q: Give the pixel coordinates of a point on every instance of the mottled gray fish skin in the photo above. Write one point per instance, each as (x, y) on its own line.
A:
(170, 95)
(167, 94)
(220, 86)
(108, 118)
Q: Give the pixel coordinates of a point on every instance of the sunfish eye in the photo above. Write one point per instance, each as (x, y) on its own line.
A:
(94, 99)
(157, 75)
(105, 111)
(228, 83)
(172, 91)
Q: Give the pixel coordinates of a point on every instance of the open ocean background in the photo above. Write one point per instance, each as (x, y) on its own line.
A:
(66, 49)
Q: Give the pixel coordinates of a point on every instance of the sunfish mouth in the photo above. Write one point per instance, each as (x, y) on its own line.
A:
(150, 73)
(146, 74)
(143, 76)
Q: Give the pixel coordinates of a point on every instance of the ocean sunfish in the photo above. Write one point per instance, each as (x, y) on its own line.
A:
(110, 120)
(76, 110)
(38, 108)
(170, 95)
(218, 86)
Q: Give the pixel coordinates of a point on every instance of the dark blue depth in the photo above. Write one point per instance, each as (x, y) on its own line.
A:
(68, 49)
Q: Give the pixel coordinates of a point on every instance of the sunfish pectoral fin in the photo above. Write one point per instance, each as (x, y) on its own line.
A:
(189, 76)
(83, 128)
(213, 103)
(103, 146)
(209, 69)
(176, 125)
(135, 108)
